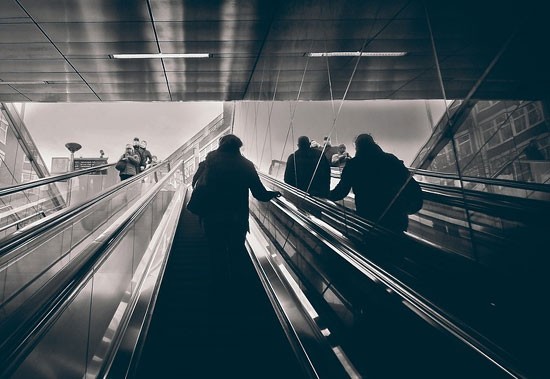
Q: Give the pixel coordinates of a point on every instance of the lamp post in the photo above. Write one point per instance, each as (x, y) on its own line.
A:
(72, 147)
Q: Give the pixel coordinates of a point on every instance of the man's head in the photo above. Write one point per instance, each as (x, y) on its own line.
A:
(326, 140)
(136, 142)
(129, 148)
(364, 143)
(341, 148)
(303, 142)
(143, 144)
(230, 142)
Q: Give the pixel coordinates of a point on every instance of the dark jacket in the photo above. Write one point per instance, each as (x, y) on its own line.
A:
(375, 178)
(231, 175)
(132, 164)
(300, 167)
(146, 157)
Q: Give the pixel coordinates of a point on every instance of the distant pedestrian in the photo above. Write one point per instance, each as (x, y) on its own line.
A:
(341, 157)
(145, 155)
(307, 163)
(132, 163)
(137, 150)
(328, 149)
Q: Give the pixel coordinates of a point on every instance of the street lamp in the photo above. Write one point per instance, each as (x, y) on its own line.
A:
(72, 147)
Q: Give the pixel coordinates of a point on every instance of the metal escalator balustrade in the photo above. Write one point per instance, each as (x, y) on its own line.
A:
(36, 253)
(27, 202)
(327, 277)
(89, 301)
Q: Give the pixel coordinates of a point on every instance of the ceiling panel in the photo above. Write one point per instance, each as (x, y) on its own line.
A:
(129, 87)
(41, 76)
(62, 97)
(104, 49)
(52, 88)
(28, 51)
(86, 10)
(34, 65)
(123, 77)
(122, 65)
(21, 33)
(258, 47)
(11, 11)
(99, 32)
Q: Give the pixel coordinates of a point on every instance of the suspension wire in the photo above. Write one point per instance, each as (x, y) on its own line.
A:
(453, 141)
(447, 113)
(334, 116)
(256, 106)
(268, 131)
(293, 113)
(363, 47)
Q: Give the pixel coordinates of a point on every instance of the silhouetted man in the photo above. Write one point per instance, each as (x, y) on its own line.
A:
(376, 177)
(305, 163)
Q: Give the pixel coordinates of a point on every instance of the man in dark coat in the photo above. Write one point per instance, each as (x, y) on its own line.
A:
(305, 163)
(229, 176)
(376, 177)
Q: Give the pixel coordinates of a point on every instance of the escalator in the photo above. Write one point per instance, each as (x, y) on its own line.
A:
(80, 286)
(204, 328)
(352, 270)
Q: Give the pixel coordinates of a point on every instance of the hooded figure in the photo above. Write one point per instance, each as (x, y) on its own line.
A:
(376, 177)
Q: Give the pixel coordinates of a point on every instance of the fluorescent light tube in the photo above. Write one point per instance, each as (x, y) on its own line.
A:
(159, 55)
(358, 53)
(21, 82)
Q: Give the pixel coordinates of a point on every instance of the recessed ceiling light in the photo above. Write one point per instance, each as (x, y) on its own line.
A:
(22, 82)
(358, 54)
(159, 55)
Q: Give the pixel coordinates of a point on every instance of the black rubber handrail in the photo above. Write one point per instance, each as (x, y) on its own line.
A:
(17, 239)
(505, 206)
(444, 320)
(538, 187)
(21, 330)
(51, 179)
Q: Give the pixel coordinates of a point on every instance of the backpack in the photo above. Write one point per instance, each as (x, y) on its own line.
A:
(412, 196)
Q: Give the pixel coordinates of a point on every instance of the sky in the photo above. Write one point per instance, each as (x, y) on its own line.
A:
(110, 126)
(401, 127)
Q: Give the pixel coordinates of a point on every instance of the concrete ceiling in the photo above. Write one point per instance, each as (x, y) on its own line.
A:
(60, 50)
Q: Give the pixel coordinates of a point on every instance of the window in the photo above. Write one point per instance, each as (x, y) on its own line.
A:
(3, 130)
(534, 113)
(520, 121)
(482, 105)
(464, 145)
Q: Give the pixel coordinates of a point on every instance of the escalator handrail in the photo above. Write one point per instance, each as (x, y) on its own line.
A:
(505, 206)
(20, 331)
(538, 187)
(26, 235)
(429, 310)
(50, 179)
